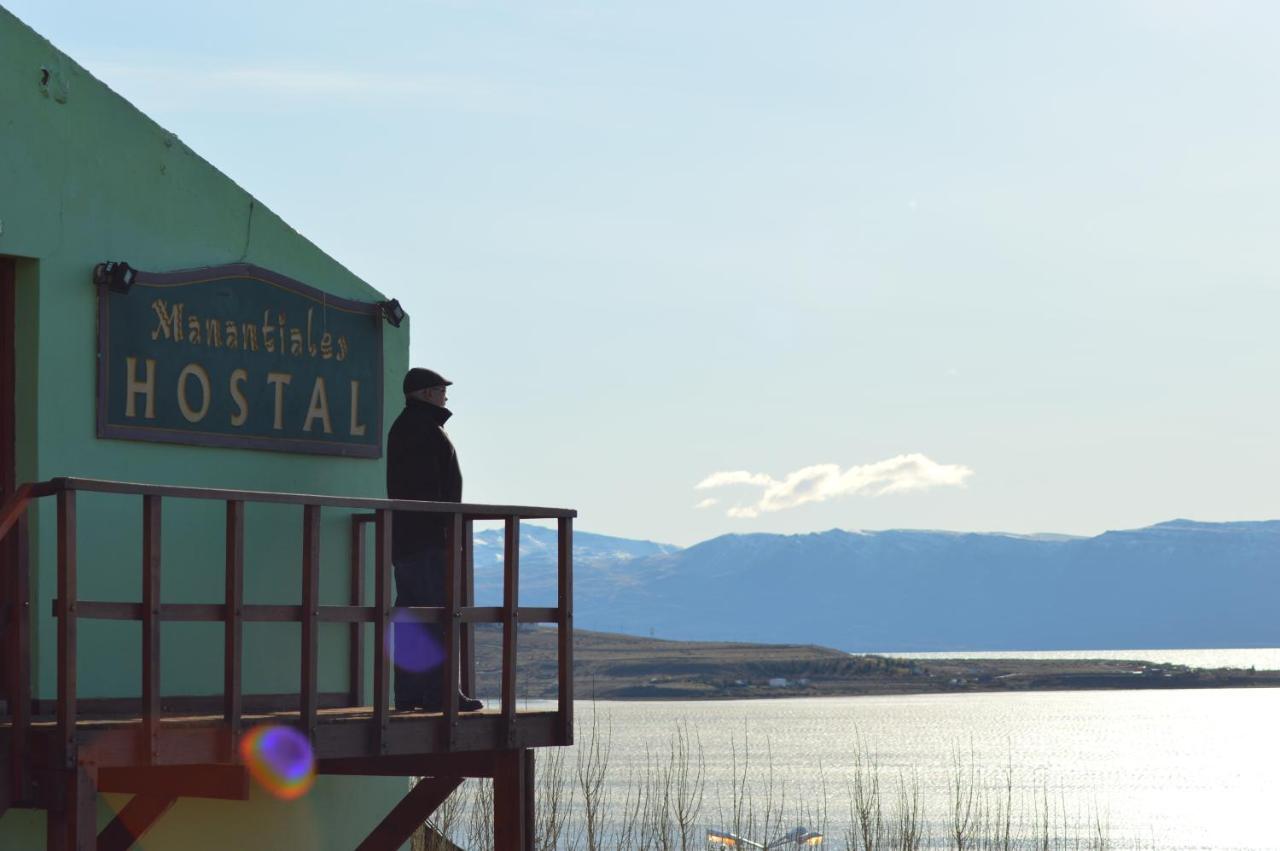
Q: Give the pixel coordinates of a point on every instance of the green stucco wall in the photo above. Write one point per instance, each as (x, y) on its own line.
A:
(336, 814)
(85, 177)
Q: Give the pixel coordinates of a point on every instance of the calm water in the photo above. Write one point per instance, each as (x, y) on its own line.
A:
(1164, 769)
(1267, 658)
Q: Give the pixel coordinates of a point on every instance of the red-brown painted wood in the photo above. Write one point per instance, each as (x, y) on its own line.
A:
(93, 709)
(355, 642)
(452, 632)
(233, 631)
(510, 615)
(530, 798)
(133, 822)
(476, 511)
(8, 401)
(265, 613)
(512, 802)
(72, 824)
(422, 800)
(202, 741)
(15, 506)
(467, 659)
(374, 743)
(151, 548)
(381, 624)
(260, 613)
(67, 627)
(18, 659)
(310, 616)
(460, 764)
(11, 563)
(564, 626)
(219, 782)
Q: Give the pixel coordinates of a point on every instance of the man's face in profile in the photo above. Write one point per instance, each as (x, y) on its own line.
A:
(435, 395)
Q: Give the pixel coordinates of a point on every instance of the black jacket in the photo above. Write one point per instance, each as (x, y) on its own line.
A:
(421, 464)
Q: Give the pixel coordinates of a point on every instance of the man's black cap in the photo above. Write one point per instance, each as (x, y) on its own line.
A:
(420, 379)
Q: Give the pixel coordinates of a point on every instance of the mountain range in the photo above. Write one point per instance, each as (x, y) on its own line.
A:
(1176, 584)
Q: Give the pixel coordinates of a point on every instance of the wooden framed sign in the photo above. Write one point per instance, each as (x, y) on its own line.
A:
(239, 356)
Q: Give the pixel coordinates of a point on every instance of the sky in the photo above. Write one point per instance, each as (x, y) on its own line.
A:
(709, 267)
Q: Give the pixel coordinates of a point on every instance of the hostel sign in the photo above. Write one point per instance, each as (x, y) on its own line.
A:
(239, 356)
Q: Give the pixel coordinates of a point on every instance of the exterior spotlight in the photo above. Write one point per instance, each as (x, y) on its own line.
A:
(115, 275)
(392, 312)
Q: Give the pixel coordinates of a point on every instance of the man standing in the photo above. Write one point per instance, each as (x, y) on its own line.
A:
(423, 465)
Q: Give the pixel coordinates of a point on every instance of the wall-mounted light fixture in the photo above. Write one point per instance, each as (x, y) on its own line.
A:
(392, 312)
(115, 275)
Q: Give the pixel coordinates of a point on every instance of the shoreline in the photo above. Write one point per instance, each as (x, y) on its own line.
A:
(609, 666)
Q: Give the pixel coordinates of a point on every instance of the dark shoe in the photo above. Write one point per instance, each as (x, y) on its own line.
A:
(406, 707)
(465, 704)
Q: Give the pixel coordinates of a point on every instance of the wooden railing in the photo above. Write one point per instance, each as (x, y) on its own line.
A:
(17, 636)
(457, 617)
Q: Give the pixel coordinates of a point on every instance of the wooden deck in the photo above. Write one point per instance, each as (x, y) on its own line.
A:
(342, 733)
(59, 754)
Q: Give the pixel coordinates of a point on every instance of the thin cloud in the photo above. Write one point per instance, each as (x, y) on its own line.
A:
(709, 502)
(735, 477)
(821, 482)
(164, 83)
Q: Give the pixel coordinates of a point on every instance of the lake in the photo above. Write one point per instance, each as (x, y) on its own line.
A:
(1264, 658)
(1161, 769)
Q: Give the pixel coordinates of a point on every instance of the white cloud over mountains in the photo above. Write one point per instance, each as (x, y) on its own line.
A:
(821, 482)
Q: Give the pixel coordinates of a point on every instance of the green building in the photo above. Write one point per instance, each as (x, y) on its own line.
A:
(262, 367)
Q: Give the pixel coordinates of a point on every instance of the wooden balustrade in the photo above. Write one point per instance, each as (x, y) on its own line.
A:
(457, 617)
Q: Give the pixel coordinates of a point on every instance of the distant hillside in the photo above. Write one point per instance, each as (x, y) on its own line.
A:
(603, 566)
(619, 667)
(1176, 584)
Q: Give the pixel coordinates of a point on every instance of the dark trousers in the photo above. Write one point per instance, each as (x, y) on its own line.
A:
(418, 650)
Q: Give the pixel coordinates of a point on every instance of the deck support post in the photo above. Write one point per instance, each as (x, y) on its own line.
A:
(72, 820)
(513, 801)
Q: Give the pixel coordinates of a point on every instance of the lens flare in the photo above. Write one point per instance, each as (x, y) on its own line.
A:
(413, 645)
(280, 759)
